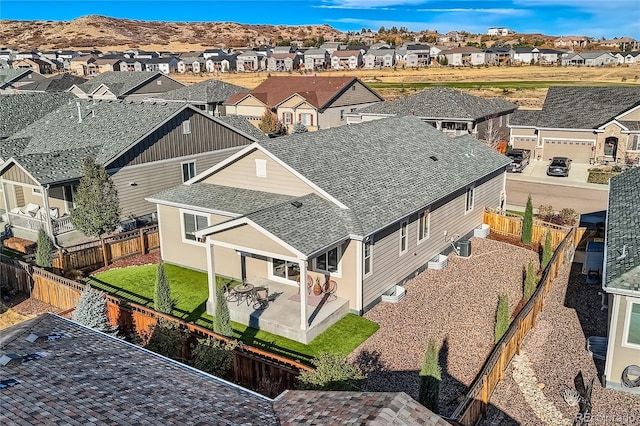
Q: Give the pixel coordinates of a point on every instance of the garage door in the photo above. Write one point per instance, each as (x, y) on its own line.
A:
(578, 151)
(525, 143)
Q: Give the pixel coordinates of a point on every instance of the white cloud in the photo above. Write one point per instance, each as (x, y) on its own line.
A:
(366, 4)
(506, 11)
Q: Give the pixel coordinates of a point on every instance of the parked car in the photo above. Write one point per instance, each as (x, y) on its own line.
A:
(519, 160)
(559, 166)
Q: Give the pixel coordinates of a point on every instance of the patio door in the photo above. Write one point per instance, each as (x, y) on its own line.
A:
(67, 192)
(284, 270)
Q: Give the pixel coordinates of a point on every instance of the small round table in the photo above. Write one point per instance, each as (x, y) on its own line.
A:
(244, 292)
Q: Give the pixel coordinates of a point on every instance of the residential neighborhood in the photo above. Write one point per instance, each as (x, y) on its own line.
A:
(294, 231)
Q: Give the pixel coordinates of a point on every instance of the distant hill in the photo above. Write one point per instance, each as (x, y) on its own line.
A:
(110, 34)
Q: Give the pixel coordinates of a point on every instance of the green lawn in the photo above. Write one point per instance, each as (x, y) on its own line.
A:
(190, 290)
(505, 85)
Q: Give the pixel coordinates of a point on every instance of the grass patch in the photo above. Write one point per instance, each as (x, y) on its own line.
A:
(515, 212)
(508, 85)
(190, 290)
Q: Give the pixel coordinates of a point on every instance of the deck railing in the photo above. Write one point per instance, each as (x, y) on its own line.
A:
(60, 225)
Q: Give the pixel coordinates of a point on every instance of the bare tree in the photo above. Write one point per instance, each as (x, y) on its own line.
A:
(492, 135)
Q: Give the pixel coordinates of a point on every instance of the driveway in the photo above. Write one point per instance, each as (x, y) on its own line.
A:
(536, 171)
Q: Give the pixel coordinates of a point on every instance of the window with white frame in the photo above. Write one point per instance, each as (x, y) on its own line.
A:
(423, 225)
(186, 127)
(635, 142)
(261, 167)
(403, 237)
(632, 325)
(306, 119)
(36, 191)
(287, 117)
(193, 222)
(367, 265)
(285, 269)
(328, 261)
(468, 205)
(188, 170)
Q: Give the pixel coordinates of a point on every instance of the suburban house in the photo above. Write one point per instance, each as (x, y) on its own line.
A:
(628, 58)
(125, 85)
(464, 56)
(362, 207)
(571, 41)
(346, 59)
(192, 65)
(14, 79)
(316, 59)
(316, 102)
(500, 31)
(132, 65)
(620, 43)
(163, 65)
(586, 124)
(134, 386)
(208, 95)
(17, 111)
(36, 64)
(376, 58)
(56, 83)
(589, 59)
(145, 147)
(83, 65)
(107, 64)
(283, 62)
(525, 55)
(498, 55)
(451, 37)
(221, 63)
(549, 56)
(453, 112)
(415, 55)
(250, 60)
(621, 281)
(330, 46)
(209, 53)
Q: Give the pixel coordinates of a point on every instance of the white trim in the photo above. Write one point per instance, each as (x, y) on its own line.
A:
(243, 98)
(427, 213)
(637, 107)
(276, 277)
(614, 121)
(13, 161)
(627, 322)
(250, 250)
(261, 167)
(182, 163)
(365, 275)
(569, 129)
(404, 225)
(186, 127)
(338, 272)
(159, 231)
(611, 340)
(359, 273)
(182, 230)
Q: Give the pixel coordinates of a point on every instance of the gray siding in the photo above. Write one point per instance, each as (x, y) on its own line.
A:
(355, 94)
(331, 116)
(152, 86)
(169, 141)
(501, 122)
(154, 177)
(391, 268)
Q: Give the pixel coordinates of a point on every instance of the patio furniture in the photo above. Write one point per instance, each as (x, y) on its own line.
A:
(597, 347)
(310, 282)
(261, 298)
(241, 293)
(330, 288)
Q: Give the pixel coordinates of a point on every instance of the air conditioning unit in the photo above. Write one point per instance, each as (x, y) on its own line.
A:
(128, 225)
(464, 248)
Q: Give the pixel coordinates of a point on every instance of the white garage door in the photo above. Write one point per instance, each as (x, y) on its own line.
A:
(525, 143)
(578, 151)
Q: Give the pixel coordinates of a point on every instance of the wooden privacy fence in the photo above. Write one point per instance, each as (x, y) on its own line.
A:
(251, 366)
(477, 398)
(511, 225)
(105, 251)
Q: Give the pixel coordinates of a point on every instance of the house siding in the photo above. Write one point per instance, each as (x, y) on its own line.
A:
(391, 268)
(248, 237)
(242, 174)
(16, 174)
(621, 356)
(153, 87)
(331, 116)
(169, 141)
(150, 178)
(355, 94)
(633, 115)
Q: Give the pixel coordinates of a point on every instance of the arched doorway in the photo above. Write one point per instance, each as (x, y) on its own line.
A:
(611, 146)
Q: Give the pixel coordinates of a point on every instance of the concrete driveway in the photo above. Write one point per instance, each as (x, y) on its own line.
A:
(536, 171)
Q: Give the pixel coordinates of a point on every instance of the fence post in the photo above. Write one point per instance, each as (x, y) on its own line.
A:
(143, 248)
(105, 255)
(61, 258)
(485, 397)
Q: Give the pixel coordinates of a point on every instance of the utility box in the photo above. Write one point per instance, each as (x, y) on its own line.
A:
(593, 260)
(464, 248)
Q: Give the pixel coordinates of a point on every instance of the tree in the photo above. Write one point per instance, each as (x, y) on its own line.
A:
(91, 310)
(164, 338)
(213, 356)
(527, 223)
(299, 128)
(492, 133)
(98, 208)
(332, 372)
(530, 281)
(547, 250)
(430, 377)
(162, 301)
(43, 253)
(269, 123)
(222, 320)
(502, 316)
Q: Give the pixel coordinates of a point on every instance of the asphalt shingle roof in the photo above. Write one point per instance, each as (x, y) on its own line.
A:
(442, 102)
(209, 91)
(623, 232)
(568, 107)
(57, 83)
(118, 82)
(524, 117)
(242, 124)
(19, 110)
(9, 74)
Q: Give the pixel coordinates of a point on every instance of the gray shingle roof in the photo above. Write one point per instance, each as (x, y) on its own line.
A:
(9, 74)
(19, 110)
(382, 170)
(242, 124)
(623, 232)
(442, 102)
(524, 117)
(208, 91)
(221, 198)
(118, 82)
(57, 83)
(585, 107)
(88, 377)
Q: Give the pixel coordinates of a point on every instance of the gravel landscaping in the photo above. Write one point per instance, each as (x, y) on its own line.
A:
(556, 350)
(455, 305)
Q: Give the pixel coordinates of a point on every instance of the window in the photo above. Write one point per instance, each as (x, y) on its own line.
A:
(287, 117)
(306, 119)
(285, 269)
(261, 168)
(36, 191)
(403, 237)
(328, 261)
(159, 82)
(192, 223)
(423, 225)
(341, 115)
(468, 206)
(635, 142)
(186, 127)
(352, 110)
(632, 325)
(366, 264)
(188, 170)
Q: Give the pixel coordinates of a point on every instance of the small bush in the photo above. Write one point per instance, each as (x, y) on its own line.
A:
(527, 223)
(430, 377)
(547, 250)
(44, 259)
(91, 310)
(213, 356)
(332, 372)
(222, 319)
(530, 282)
(162, 293)
(164, 338)
(502, 316)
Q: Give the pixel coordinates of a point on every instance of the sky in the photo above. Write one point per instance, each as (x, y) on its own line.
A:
(593, 18)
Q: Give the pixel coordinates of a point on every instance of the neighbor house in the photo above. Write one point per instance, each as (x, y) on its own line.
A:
(621, 281)
(464, 56)
(589, 59)
(628, 58)
(316, 102)
(571, 41)
(316, 59)
(56, 83)
(221, 63)
(36, 64)
(453, 112)
(14, 79)
(586, 124)
(163, 65)
(107, 64)
(125, 85)
(250, 60)
(83, 65)
(364, 207)
(192, 65)
(144, 146)
(346, 59)
(283, 62)
(378, 58)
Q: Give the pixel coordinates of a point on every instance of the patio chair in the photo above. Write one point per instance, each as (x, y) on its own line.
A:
(330, 288)
(260, 298)
(309, 284)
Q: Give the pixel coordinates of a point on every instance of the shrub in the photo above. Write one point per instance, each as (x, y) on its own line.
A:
(91, 310)
(222, 321)
(299, 128)
(527, 223)
(430, 377)
(530, 281)
(162, 292)
(502, 316)
(213, 356)
(547, 250)
(164, 338)
(332, 372)
(43, 252)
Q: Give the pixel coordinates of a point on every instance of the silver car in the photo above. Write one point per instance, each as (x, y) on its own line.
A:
(559, 166)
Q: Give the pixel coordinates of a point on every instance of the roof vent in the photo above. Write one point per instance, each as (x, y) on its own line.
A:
(434, 158)
(296, 204)
(8, 383)
(41, 337)
(10, 359)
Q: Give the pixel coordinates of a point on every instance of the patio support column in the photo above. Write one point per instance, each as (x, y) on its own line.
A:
(6, 200)
(211, 280)
(303, 294)
(48, 227)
